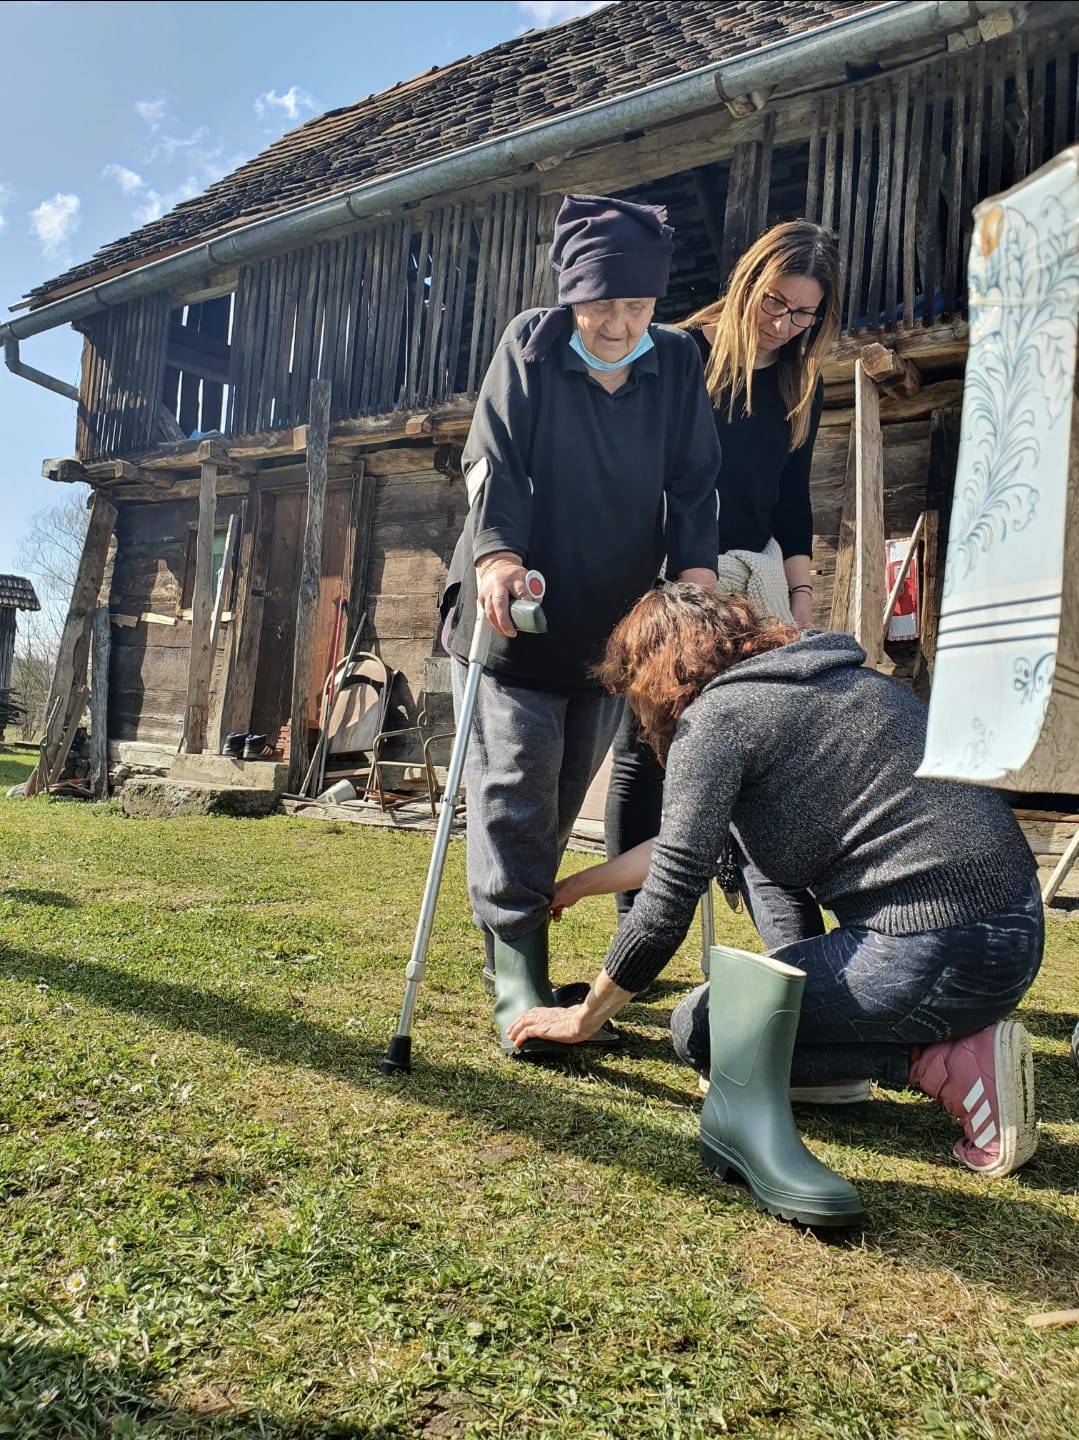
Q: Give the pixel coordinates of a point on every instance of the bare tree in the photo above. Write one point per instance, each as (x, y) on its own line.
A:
(49, 553)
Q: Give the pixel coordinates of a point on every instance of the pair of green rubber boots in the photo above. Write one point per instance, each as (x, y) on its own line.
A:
(746, 1124)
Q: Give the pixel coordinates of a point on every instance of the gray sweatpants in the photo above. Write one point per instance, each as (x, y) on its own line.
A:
(531, 758)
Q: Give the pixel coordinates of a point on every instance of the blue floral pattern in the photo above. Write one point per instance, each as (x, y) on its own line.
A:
(1023, 282)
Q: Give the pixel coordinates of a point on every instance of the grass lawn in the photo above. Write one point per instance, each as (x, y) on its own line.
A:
(218, 1219)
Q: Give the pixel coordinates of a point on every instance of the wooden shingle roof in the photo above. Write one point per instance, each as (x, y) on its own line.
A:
(16, 593)
(533, 77)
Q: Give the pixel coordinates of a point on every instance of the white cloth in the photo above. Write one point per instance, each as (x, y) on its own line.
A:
(1001, 650)
(760, 577)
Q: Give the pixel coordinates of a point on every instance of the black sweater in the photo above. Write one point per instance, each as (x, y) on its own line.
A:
(763, 485)
(814, 759)
(592, 489)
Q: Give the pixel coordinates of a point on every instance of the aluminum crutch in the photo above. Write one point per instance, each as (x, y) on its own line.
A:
(528, 617)
(708, 930)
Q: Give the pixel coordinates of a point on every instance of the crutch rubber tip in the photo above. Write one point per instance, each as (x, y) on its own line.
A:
(398, 1057)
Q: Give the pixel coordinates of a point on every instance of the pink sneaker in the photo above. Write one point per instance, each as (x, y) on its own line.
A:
(985, 1080)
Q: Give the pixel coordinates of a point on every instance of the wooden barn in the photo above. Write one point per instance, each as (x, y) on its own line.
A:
(278, 374)
(16, 593)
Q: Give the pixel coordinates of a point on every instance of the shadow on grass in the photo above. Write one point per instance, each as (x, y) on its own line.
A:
(54, 899)
(998, 1237)
(49, 1390)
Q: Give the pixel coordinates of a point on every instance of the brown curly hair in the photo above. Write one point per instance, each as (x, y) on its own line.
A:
(678, 637)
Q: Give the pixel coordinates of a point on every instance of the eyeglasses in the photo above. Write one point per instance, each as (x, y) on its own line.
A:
(773, 306)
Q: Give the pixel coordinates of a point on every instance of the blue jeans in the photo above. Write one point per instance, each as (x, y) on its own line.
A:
(869, 998)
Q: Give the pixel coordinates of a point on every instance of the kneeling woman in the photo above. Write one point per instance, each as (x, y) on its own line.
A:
(813, 759)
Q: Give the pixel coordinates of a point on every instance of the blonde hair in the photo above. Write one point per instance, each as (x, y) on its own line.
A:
(797, 247)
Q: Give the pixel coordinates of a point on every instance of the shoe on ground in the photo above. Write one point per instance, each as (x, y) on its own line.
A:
(842, 1092)
(234, 745)
(257, 747)
(986, 1081)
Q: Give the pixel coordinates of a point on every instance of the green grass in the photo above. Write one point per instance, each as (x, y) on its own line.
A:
(218, 1219)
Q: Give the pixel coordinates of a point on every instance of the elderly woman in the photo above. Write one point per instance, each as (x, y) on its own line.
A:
(594, 459)
(814, 760)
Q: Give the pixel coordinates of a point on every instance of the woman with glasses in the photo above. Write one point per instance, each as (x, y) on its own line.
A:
(762, 343)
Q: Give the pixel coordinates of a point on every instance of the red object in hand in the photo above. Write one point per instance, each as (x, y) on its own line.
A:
(535, 585)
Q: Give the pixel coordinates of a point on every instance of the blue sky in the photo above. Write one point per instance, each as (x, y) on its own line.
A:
(115, 112)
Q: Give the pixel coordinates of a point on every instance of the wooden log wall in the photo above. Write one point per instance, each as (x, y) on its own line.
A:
(123, 362)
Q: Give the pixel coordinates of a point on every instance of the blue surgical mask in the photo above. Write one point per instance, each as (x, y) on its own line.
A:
(642, 347)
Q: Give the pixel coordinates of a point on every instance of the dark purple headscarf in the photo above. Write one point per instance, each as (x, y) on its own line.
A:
(603, 249)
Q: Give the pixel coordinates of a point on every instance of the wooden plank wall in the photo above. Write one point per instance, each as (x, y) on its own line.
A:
(405, 314)
(148, 663)
(123, 363)
(896, 164)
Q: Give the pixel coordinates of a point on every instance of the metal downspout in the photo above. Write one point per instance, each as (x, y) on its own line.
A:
(27, 372)
(858, 37)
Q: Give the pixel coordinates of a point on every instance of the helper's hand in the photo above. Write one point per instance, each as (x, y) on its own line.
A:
(567, 892)
(500, 579)
(566, 1026)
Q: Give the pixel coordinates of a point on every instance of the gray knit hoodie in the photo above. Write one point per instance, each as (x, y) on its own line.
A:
(812, 757)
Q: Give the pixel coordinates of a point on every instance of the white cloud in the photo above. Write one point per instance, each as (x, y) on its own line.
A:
(7, 194)
(552, 12)
(166, 147)
(289, 106)
(54, 222)
(152, 111)
(128, 180)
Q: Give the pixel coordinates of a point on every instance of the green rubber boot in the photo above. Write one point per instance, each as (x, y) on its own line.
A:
(521, 983)
(746, 1123)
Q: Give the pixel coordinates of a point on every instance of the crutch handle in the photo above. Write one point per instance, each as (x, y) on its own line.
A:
(527, 612)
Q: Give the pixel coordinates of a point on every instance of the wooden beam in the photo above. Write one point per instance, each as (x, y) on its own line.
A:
(869, 518)
(67, 691)
(247, 626)
(890, 371)
(929, 347)
(100, 647)
(318, 436)
(64, 469)
(943, 456)
(941, 396)
(200, 665)
(446, 422)
(844, 553)
(221, 610)
(213, 452)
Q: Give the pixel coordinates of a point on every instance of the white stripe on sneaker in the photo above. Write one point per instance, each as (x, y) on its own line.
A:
(973, 1095)
(984, 1112)
(987, 1134)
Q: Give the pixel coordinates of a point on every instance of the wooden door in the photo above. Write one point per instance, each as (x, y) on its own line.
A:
(273, 677)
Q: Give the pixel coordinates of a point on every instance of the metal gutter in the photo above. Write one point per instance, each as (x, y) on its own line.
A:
(856, 38)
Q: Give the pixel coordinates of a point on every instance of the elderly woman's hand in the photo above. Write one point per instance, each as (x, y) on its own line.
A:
(500, 579)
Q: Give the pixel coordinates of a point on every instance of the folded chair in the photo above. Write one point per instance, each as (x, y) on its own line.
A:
(363, 688)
